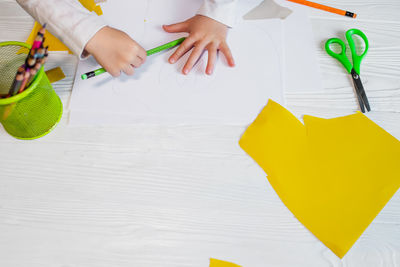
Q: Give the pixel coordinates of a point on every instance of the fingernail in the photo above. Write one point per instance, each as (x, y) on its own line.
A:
(172, 60)
(185, 71)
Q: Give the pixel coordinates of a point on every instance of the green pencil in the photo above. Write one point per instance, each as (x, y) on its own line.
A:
(152, 51)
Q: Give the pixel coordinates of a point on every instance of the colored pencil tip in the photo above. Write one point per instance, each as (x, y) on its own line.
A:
(84, 76)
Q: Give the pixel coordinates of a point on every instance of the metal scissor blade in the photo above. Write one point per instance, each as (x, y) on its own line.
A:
(362, 96)
(360, 101)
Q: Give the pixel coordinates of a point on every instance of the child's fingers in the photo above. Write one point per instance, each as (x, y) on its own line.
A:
(177, 27)
(194, 56)
(114, 72)
(136, 62)
(142, 54)
(212, 56)
(182, 49)
(227, 53)
(128, 70)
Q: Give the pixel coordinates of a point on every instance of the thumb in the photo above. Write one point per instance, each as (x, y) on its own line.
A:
(177, 27)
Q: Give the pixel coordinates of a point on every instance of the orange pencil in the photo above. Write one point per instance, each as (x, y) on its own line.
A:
(325, 8)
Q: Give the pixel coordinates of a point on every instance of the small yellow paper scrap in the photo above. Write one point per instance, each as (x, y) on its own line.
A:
(91, 5)
(220, 263)
(52, 41)
(334, 175)
(55, 75)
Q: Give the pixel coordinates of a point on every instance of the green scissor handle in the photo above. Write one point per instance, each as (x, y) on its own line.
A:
(342, 55)
(356, 58)
(339, 56)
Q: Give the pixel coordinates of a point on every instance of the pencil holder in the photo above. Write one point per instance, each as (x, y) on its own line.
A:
(34, 112)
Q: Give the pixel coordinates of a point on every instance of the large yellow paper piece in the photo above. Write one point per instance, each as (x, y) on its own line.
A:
(334, 175)
(50, 40)
(219, 263)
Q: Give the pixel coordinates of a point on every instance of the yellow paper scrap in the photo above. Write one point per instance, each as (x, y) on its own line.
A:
(334, 175)
(220, 263)
(91, 5)
(50, 40)
(55, 75)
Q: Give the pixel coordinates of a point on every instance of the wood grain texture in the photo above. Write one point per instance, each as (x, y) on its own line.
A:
(176, 196)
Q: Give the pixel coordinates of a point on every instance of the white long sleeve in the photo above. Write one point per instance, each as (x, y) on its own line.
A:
(219, 10)
(68, 20)
(74, 25)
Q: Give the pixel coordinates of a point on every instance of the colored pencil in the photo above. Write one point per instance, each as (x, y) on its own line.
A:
(17, 81)
(24, 81)
(157, 49)
(325, 8)
(33, 72)
(37, 56)
(39, 38)
(30, 63)
(44, 58)
(39, 53)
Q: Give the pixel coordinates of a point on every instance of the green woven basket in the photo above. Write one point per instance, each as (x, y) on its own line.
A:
(34, 112)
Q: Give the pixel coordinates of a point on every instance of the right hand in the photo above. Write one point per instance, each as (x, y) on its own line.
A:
(115, 51)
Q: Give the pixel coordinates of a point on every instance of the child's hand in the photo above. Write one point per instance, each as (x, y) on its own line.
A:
(204, 33)
(116, 51)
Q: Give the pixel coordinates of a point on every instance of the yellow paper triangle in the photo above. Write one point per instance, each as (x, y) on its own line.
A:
(220, 263)
(50, 40)
(334, 175)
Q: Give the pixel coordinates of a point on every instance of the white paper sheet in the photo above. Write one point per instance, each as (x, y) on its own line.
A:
(302, 72)
(158, 93)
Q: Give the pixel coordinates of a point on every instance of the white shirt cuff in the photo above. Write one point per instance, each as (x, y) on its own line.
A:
(83, 33)
(220, 10)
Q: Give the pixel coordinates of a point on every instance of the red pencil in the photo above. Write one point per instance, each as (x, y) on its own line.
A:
(39, 38)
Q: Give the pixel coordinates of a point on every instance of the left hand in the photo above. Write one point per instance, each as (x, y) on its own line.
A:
(204, 34)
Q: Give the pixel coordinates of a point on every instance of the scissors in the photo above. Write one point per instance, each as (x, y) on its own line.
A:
(353, 69)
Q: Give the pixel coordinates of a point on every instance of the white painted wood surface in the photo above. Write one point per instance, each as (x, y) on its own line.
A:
(175, 196)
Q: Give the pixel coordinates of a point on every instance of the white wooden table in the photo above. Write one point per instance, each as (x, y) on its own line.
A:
(175, 196)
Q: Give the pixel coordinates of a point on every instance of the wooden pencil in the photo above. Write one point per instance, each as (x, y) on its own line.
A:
(325, 8)
(19, 77)
(38, 42)
(37, 56)
(25, 81)
(33, 72)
